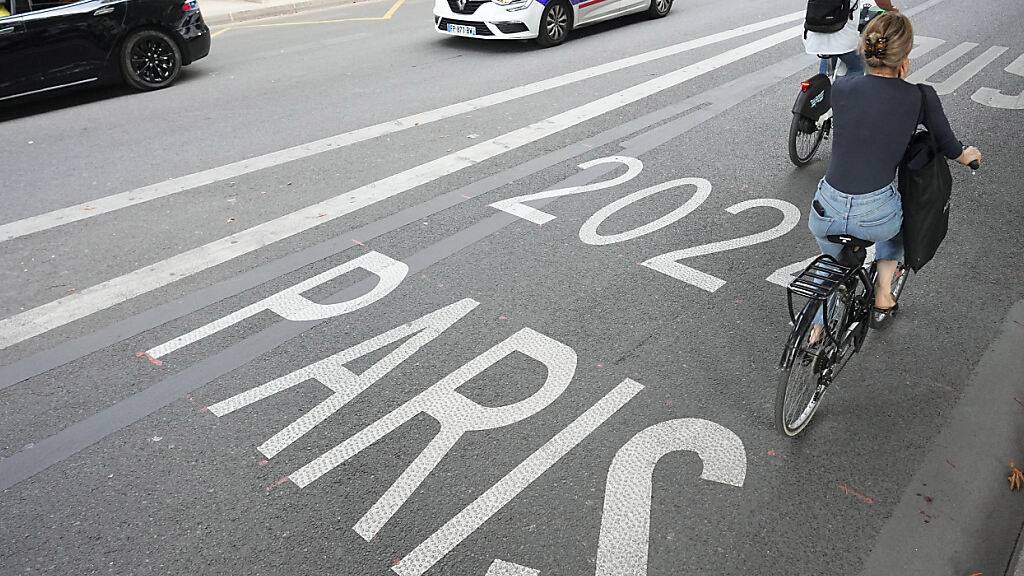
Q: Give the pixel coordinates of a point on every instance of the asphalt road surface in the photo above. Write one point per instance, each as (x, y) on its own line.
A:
(355, 298)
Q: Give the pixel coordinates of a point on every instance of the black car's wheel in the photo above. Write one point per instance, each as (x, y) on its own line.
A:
(659, 8)
(150, 59)
(555, 23)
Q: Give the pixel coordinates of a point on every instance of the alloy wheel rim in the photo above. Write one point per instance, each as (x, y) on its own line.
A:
(152, 60)
(662, 5)
(557, 22)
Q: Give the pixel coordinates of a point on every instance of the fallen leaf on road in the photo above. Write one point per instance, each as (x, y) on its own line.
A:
(1016, 477)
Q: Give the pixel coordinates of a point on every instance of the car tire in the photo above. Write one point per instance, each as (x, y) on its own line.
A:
(659, 8)
(150, 60)
(555, 23)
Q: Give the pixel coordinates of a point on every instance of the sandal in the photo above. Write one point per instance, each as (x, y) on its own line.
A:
(881, 317)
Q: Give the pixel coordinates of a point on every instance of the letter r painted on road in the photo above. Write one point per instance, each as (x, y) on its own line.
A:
(457, 415)
(291, 305)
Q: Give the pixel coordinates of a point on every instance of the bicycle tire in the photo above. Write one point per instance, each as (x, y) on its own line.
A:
(799, 139)
(804, 364)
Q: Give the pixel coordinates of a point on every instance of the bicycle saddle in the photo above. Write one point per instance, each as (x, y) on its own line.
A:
(851, 241)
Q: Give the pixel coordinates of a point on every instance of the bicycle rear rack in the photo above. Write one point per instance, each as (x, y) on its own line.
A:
(818, 281)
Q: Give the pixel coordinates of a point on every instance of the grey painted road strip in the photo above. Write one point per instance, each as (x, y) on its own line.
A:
(56, 448)
(957, 515)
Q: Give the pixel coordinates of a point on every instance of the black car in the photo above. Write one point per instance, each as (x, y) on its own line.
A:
(50, 44)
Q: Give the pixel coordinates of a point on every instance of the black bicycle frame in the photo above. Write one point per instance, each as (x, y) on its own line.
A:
(820, 280)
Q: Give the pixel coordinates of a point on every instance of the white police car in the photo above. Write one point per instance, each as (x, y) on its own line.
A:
(549, 21)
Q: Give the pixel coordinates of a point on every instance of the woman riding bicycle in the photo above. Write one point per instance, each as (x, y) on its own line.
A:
(875, 117)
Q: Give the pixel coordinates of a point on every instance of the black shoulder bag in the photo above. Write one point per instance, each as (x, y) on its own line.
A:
(925, 185)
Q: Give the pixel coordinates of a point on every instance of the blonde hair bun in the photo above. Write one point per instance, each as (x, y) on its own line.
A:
(887, 41)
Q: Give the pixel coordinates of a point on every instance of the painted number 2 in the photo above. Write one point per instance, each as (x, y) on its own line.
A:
(668, 263)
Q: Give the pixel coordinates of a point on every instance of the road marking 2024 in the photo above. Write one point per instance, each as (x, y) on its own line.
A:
(667, 263)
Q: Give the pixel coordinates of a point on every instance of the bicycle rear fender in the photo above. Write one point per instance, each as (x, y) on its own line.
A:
(815, 97)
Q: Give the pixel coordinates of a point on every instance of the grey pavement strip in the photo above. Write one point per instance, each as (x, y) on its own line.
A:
(957, 515)
(77, 437)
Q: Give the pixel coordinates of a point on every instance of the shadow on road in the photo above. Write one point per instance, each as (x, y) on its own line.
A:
(69, 98)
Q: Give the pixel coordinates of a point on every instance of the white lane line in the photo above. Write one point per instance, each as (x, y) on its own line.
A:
(51, 315)
(114, 202)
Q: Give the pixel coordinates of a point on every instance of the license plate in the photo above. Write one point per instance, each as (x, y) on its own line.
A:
(462, 29)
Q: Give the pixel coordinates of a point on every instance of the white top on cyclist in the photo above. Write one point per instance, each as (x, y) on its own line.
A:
(846, 40)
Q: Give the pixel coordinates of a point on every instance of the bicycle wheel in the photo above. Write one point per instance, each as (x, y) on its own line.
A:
(800, 386)
(804, 139)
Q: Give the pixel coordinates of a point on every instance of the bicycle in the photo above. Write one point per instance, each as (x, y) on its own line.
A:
(845, 290)
(812, 111)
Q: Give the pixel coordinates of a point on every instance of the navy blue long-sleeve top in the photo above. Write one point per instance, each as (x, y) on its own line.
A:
(874, 119)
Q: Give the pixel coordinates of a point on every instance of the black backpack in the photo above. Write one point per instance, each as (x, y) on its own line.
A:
(828, 15)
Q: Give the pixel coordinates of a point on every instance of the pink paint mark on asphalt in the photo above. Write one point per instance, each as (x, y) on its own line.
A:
(851, 492)
(277, 483)
(263, 462)
(149, 358)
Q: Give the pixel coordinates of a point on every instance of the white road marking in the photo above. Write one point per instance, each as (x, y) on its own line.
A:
(516, 205)
(290, 304)
(668, 263)
(446, 538)
(191, 181)
(51, 315)
(949, 85)
(996, 99)
(503, 568)
(626, 519)
(456, 414)
(590, 235)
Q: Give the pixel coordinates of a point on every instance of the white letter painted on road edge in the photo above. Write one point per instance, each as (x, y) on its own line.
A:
(291, 305)
(331, 372)
(995, 98)
(440, 543)
(626, 520)
(456, 414)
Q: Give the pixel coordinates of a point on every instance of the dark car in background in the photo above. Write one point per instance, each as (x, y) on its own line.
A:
(51, 44)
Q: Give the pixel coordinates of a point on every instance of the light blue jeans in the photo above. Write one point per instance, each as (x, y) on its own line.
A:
(876, 216)
(853, 61)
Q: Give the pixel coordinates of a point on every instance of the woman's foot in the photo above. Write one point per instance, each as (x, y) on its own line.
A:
(882, 317)
(817, 333)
